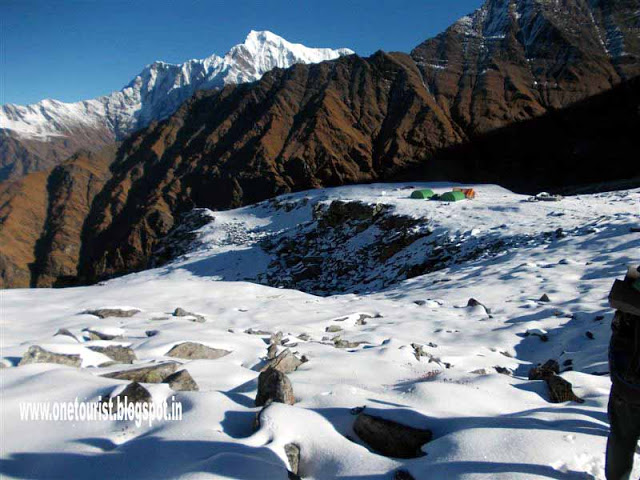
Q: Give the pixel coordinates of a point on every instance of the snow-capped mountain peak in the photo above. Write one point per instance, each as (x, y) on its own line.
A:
(160, 88)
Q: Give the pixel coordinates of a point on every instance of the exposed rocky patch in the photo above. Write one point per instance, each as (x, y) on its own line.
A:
(117, 353)
(196, 351)
(37, 354)
(152, 374)
(391, 438)
(113, 312)
(181, 381)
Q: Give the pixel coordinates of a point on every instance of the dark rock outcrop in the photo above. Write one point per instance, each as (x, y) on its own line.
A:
(274, 386)
(152, 374)
(391, 438)
(196, 351)
(181, 381)
(37, 354)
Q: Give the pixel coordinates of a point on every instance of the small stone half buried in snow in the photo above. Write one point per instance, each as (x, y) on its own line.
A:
(333, 329)
(475, 303)
(274, 386)
(134, 393)
(116, 352)
(196, 351)
(544, 298)
(37, 354)
(181, 381)
(286, 362)
(538, 332)
(292, 451)
(194, 317)
(65, 333)
(108, 334)
(390, 438)
(560, 390)
(340, 343)
(403, 475)
(551, 367)
(112, 312)
(151, 374)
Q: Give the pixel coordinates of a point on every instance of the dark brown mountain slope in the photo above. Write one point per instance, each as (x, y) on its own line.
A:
(346, 121)
(41, 219)
(514, 59)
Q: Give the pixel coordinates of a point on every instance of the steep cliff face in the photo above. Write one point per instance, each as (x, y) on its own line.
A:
(41, 219)
(348, 121)
(512, 60)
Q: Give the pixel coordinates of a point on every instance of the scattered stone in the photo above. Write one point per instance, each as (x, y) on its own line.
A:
(293, 455)
(151, 333)
(251, 331)
(502, 370)
(402, 475)
(339, 343)
(634, 229)
(152, 374)
(560, 233)
(567, 363)
(286, 362)
(36, 354)
(66, 333)
(545, 298)
(357, 410)
(196, 351)
(333, 329)
(304, 336)
(475, 303)
(134, 393)
(420, 302)
(418, 351)
(589, 335)
(361, 321)
(550, 368)
(390, 438)
(194, 317)
(159, 319)
(95, 334)
(538, 332)
(480, 371)
(598, 318)
(181, 381)
(560, 390)
(274, 386)
(112, 312)
(117, 353)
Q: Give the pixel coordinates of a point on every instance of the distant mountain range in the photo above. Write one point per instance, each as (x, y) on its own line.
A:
(40, 135)
(516, 74)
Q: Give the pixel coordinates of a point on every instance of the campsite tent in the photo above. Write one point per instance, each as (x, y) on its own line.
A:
(452, 196)
(470, 193)
(422, 194)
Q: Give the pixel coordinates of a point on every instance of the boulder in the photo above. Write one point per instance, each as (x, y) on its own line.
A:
(272, 351)
(390, 438)
(544, 298)
(112, 312)
(475, 303)
(117, 353)
(293, 455)
(134, 393)
(333, 329)
(181, 381)
(340, 343)
(540, 372)
(286, 362)
(151, 374)
(560, 390)
(95, 334)
(181, 312)
(274, 386)
(66, 333)
(196, 351)
(36, 354)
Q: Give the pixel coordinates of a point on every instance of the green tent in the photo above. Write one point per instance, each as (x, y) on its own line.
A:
(422, 194)
(452, 196)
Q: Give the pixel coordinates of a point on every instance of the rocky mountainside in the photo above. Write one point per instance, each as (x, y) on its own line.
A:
(35, 137)
(514, 59)
(355, 120)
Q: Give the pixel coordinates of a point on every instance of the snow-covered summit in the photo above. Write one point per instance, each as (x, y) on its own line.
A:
(160, 88)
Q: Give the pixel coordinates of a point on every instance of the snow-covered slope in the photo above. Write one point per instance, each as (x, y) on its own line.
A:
(486, 425)
(160, 89)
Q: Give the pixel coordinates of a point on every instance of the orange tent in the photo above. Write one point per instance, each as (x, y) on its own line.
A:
(470, 193)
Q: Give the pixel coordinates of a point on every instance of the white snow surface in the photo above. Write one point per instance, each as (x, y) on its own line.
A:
(161, 88)
(486, 425)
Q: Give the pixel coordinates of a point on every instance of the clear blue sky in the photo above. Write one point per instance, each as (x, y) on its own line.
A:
(74, 50)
